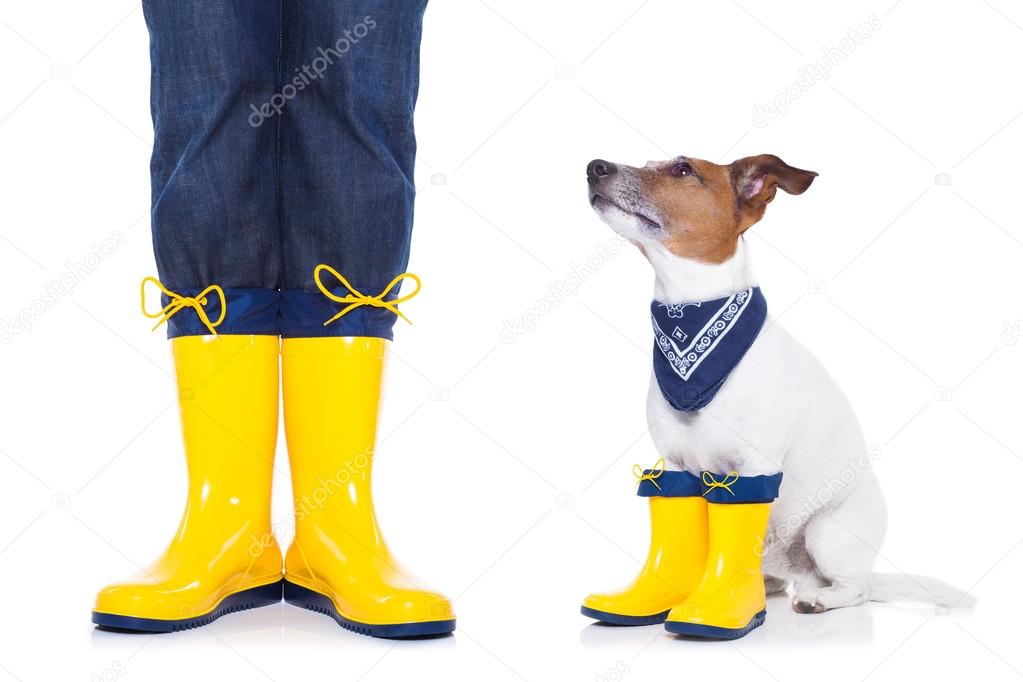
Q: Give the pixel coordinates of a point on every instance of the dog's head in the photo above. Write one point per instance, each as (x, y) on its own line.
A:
(694, 208)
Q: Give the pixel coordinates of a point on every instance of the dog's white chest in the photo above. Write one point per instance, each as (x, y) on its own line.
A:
(746, 426)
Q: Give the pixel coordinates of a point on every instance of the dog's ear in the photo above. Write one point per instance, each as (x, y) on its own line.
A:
(756, 179)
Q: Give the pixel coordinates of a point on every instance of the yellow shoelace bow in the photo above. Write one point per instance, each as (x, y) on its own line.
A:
(726, 482)
(356, 298)
(654, 474)
(179, 303)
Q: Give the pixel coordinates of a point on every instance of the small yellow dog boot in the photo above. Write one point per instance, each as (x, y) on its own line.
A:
(224, 557)
(339, 564)
(729, 601)
(677, 555)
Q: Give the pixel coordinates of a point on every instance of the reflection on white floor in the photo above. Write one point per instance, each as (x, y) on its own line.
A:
(853, 643)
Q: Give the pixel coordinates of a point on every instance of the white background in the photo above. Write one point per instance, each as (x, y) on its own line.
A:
(503, 474)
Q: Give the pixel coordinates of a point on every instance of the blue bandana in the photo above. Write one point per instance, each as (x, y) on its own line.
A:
(697, 345)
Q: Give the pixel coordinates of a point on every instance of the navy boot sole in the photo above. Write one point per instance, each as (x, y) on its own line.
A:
(619, 619)
(264, 595)
(712, 632)
(321, 603)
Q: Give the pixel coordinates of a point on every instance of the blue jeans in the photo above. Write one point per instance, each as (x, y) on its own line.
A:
(283, 139)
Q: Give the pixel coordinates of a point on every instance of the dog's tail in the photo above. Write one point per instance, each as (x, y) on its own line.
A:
(905, 587)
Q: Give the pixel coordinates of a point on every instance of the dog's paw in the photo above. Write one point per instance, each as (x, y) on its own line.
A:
(808, 602)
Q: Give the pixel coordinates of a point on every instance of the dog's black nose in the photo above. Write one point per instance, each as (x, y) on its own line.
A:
(599, 168)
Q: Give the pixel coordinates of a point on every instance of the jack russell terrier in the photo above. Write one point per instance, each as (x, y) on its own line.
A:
(734, 402)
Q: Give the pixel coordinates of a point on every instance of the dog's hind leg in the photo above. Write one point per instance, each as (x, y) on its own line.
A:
(774, 585)
(843, 542)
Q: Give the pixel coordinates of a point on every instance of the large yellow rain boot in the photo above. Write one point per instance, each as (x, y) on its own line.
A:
(677, 555)
(730, 600)
(223, 557)
(338, 563)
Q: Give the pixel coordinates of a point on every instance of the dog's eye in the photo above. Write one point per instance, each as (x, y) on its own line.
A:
(680, 169)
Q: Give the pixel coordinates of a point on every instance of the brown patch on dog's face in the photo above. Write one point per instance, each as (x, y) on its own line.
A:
(695, 201)
(696, 208)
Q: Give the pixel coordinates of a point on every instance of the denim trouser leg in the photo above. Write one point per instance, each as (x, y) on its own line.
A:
(283, 139)
(348, 151)
(213, 175)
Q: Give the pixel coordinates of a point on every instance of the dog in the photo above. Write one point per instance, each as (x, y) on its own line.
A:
(778, 409)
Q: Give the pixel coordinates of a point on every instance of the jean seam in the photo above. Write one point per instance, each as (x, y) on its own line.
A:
(279, 160)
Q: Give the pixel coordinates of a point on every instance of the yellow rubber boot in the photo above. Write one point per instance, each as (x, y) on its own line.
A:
(223, 557)
(730, 601)
(673, 567)
(339, 563)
